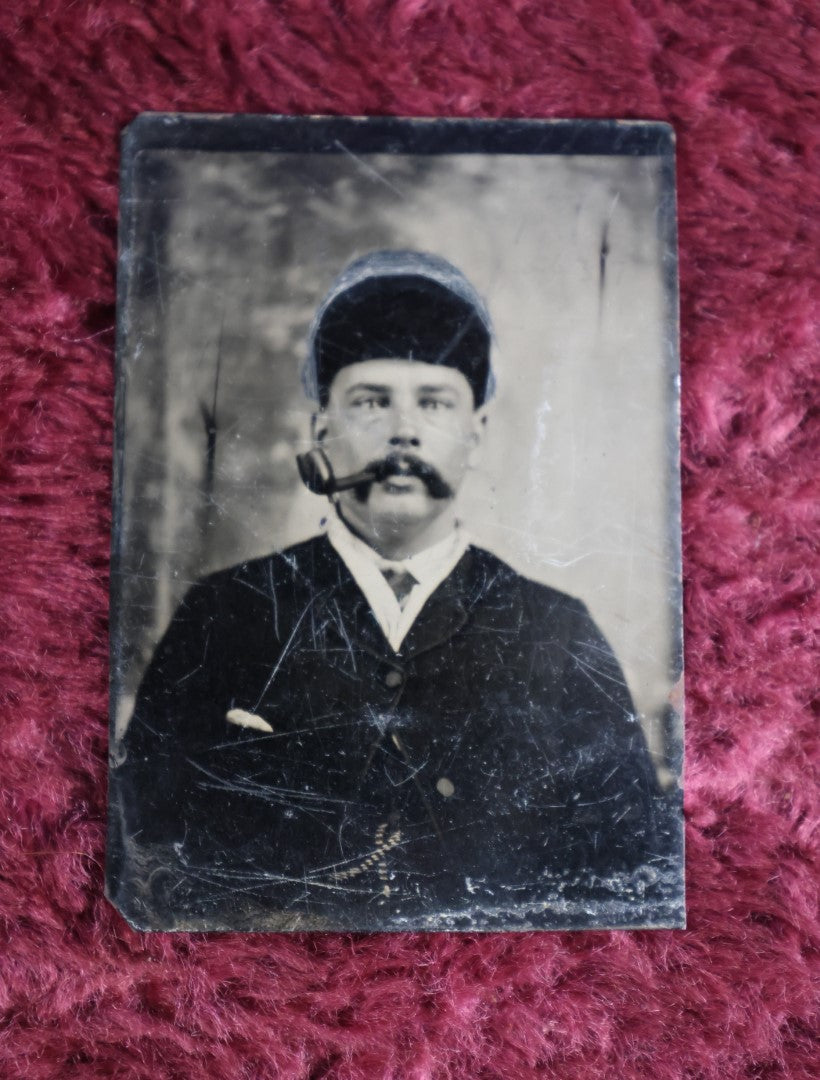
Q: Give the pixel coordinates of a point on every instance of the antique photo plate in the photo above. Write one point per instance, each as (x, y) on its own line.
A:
(396, 593)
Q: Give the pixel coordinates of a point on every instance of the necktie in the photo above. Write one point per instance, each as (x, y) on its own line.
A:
(401, 582)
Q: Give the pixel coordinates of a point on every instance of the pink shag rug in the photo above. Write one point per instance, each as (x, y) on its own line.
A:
(82, 995)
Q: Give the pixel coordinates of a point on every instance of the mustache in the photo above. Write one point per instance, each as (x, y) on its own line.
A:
(407, 465)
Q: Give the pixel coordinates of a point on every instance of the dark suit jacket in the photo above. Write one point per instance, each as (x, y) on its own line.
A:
(495, 760)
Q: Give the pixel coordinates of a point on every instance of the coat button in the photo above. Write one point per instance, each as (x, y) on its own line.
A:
(393, 679)
(445, 787)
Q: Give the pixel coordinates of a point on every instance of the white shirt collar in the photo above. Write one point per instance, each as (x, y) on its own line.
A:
(429, 567)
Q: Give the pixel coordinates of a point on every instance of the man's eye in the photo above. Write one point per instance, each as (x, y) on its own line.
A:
(433, 404)
(371, 403)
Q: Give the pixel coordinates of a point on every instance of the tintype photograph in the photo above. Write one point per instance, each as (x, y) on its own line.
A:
(396, 613)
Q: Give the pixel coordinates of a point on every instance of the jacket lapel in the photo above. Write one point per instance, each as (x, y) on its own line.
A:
(344, 606)
(445, 612)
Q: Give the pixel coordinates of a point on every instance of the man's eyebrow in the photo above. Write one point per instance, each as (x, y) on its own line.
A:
(371, 388)
(382, 388)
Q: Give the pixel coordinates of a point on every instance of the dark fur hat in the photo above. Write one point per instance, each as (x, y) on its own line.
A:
(403, 305)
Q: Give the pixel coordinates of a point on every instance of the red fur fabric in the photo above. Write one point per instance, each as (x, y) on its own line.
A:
(82, 994)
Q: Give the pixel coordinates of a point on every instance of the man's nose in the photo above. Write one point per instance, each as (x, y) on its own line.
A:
(405, 431)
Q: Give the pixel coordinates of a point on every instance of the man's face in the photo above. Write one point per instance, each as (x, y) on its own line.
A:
(408, 412)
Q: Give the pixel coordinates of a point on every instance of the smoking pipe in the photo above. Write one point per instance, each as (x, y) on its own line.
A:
(317, 474)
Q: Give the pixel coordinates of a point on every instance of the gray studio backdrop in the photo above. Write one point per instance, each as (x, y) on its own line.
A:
(231, 255)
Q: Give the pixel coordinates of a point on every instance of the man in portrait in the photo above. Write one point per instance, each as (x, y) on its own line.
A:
(386, 724)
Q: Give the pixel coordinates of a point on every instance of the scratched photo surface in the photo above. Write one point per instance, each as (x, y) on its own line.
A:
(304, 737)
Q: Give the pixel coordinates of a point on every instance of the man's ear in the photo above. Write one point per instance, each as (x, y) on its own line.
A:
(479, 430)
(318, 427)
